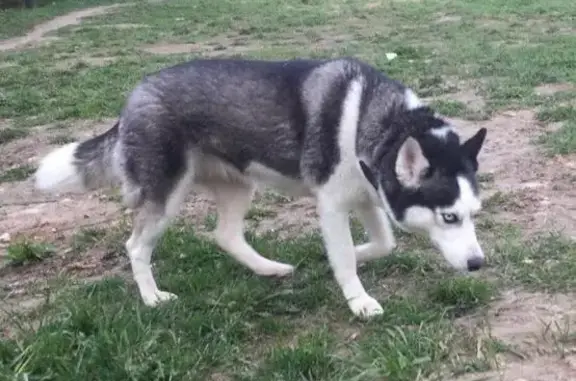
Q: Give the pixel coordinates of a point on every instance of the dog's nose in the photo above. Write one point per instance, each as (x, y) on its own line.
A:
(475, 263)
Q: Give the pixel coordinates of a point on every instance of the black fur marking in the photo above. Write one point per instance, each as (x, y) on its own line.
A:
(472, 147)
(368, 174)
(322, 139)
(448, 159)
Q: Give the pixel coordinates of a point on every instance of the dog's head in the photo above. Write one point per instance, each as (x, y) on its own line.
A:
(430, 186)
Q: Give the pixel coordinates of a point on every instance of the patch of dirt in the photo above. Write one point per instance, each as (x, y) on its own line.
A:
(373, 5)
(38, 34)
(24, 210)
(543, 185)
(289, 218)
(492, 23)
(467, 96)
(84, 61)
(238, 44)
(515, 44)
(23, 288)
(539, 369)
(447, 19)
(205, 48)
(173, 48)
(535, 323)
(94, 26)
(537, 329)
(27, 213)
(553, 88)
(122, 26)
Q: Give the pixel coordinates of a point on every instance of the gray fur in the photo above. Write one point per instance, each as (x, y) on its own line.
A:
(95, 160)
(282, 115)
(227, 125)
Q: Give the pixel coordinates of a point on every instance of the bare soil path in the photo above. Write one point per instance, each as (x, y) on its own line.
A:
(38, 34)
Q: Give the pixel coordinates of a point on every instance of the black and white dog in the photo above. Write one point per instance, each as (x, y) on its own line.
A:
(337, 130)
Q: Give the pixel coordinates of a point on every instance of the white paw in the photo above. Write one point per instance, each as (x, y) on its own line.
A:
(272, 268)
(158, 297)
(365, 306)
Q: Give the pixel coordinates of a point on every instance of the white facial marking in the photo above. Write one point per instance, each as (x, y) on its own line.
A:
(442, 132)
(411, 100)
(467, 204)
(457, 241)
(451, 229)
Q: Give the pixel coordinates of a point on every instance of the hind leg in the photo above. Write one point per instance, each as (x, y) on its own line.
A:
(150, 222)
(233, 202)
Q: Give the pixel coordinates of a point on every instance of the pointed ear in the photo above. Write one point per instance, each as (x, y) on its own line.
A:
(473, 145)
(410, 163)
(368, 174)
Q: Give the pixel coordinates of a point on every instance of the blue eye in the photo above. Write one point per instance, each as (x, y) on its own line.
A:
(450, 218)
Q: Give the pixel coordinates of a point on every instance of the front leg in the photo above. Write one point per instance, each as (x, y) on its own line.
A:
(335, 227)
(381, 238)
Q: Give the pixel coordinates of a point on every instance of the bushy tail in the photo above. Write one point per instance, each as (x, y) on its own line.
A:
(79, 166)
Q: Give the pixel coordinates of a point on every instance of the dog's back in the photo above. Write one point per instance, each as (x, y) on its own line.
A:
(237, 110)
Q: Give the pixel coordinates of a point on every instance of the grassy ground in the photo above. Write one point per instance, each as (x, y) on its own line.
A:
(17, 21)
(229, 324)
(504, 51)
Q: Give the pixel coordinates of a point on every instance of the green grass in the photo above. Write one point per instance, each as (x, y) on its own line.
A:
(17, 173)
(557, 114)
(15, 22)
(229, 324)
(241, 325)
(309, 359)
(502, 51)
(462, 294)
(450, 108)
(247, 327)
(545, 262)
(26, 251)
(563, 141)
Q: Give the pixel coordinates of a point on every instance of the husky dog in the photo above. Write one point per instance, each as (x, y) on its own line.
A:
(336, 130)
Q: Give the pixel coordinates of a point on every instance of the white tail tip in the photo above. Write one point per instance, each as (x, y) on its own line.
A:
(57, 171)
